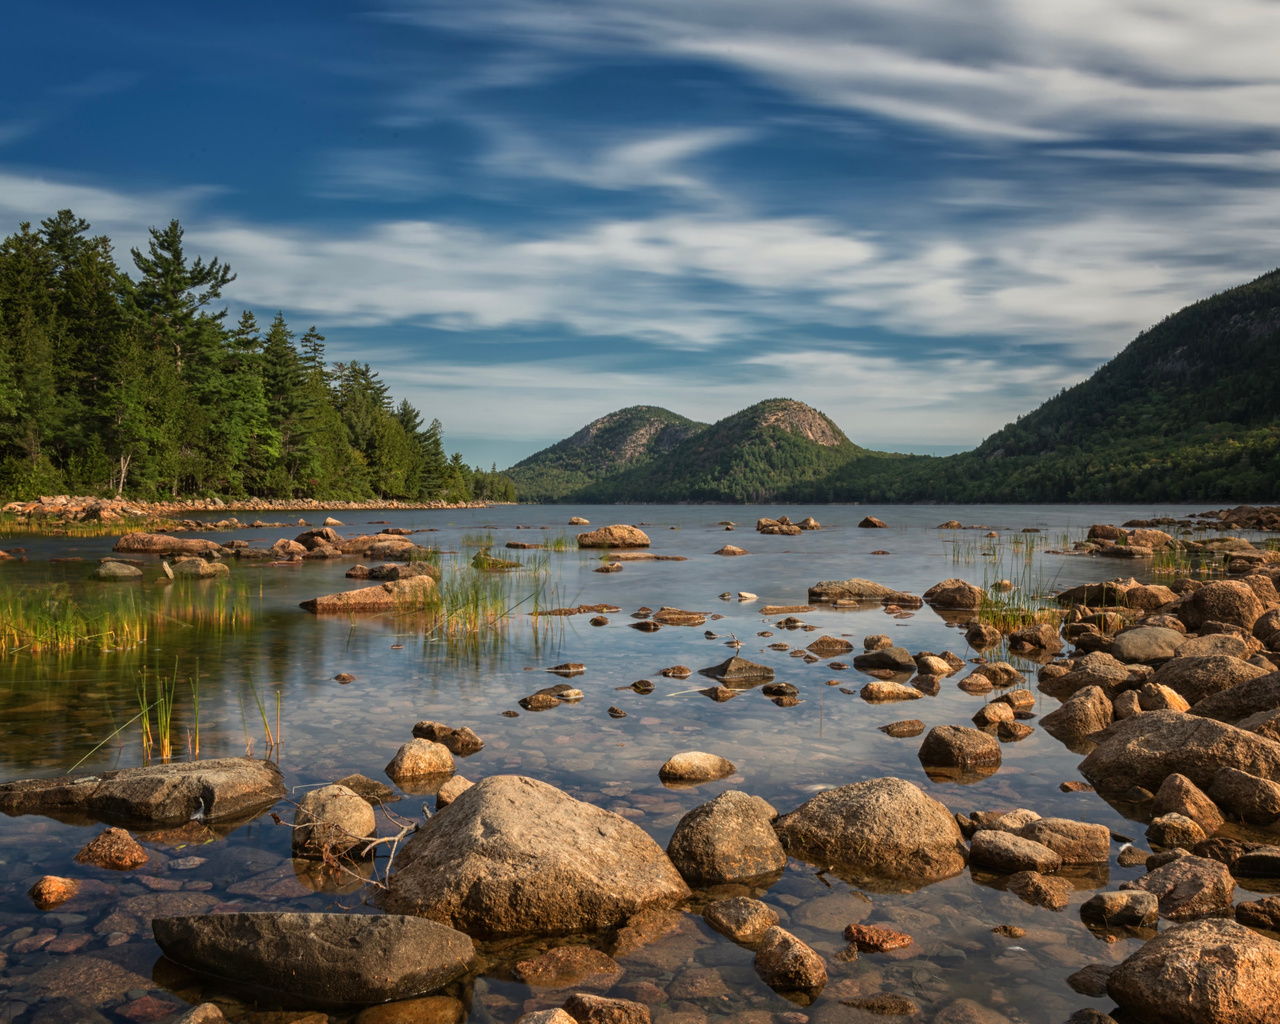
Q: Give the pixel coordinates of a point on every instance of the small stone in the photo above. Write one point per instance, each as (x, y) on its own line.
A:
(786, 964)
(740, 918)
(420, 757)
(1092, 980)
(905, 729)
(1009, 931)
(1011, 732)
(115, 849)
(51, 890)
(1127, 908)
(617, 713)
(1174, 830)
(874, 938)
(451, 790)
(569, 965)
(695, 766)
(588, 1009)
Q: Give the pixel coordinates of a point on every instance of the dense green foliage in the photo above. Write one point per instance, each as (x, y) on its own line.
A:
(622, 440)
(111, 384)
(1189, 412)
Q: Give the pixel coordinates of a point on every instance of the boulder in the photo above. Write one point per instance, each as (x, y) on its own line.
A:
(451, 790)
(786, 964)
(50, 891)
(957, 746)
(586, 1008)
(1096, 668)
(732, 550)
(1158, 697)
(954, 593)
(1188, 887)
(221, 790)
(967, 1011)
(885, 829)
(872, 523)
(1146, 750)
(1086, 711)
(1147, 644)
(1076, 842)
(1205, 972)
(729, 839)
(1194, 679)
(1263, 913)
(695, 766)
(614, 537)
(1228, 601)
(392, 595)
(112, 571)
(1124, 909)
(1040, 890)
(1250, 798)
(741, 918)
(1242, 700)
(1173, 831)
(1007, 854)
(326, 958)
(1211, 644)
(738, 672)
(892, 659)
(1264, 723)
(1041, 637)
(114, 849)
(1179, 795)
(462, 742)
(163, 544)
(830, 646)
(199, 568)
(332, 819)
(829, 591)
(980, 635)
(569, 965)
(513, 856)
(880, 692)
(420, 757)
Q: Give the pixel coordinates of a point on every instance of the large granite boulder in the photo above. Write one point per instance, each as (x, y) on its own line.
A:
(1147, 749)
(830, 591)
(1242, 700)
(326, 958)
(385, 597)
(954, 593)
(1227, 601)
(221, 790)
(163, 544)
(1205, 972)
(513, 856)
(614, 537)
(884, 830)
(1194, 679)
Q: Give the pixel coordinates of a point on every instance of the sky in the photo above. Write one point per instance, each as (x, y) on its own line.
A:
(921, 217)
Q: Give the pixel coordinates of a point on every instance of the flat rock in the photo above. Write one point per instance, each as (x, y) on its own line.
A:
(591, 1009)
(513, 856)
(738, 672)
(1194, 679)
(392, 595)
(894, 659)
(569, 965)
(327, 958)
(885, 830)
(222, 790)
(164, 544)
(830, 591)
(1205, 972)
(1076, 842)
(619, 536)
(1149, 645)
(1008, 854)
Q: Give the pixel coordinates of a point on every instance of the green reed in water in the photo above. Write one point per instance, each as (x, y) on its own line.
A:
(13, 526)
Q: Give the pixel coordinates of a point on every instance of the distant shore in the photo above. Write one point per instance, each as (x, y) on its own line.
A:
(87, 509)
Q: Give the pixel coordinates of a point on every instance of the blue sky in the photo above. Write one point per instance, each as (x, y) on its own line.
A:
(921, 217)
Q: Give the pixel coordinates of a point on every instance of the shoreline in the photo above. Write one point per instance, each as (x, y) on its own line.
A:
(83, 509)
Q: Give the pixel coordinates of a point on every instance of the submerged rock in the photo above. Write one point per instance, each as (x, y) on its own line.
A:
(513, 856)
(325, 958)
(740, 918)
(117, 571)
(787, 965)
(223, 789)
(385, 597)
(885, 829)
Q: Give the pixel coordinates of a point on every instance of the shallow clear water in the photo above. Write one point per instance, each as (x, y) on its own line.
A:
(55, 709)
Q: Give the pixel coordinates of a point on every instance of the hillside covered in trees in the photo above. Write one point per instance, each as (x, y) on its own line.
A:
(1189, 411)
(111, 384)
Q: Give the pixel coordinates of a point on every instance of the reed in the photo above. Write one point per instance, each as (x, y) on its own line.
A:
(195, 711)
(166, 691)
(12, 525)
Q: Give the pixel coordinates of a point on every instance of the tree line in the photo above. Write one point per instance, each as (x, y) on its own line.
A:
(138, 385)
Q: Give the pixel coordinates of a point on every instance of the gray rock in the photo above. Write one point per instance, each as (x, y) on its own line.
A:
(1206, 972)
(513, 856)
(222, 790)
(327, 958)
(740, 918)
(1008, 854)
(881, 829)
(1188, 887)
(117, 571)
(1146, 750)
(1130, 908)
(729, 839)
(1211, 644)
(1094, 669)
(1149, 644)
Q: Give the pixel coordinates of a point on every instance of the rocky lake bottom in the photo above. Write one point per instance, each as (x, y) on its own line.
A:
(327, 697)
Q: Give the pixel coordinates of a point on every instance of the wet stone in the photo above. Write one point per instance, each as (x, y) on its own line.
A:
(905, 729)
(874, 938)
(114, 849)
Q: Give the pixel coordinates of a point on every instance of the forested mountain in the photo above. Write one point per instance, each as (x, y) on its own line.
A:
(621, 440)
(774, 450)
(1188, 411)
(111, 383)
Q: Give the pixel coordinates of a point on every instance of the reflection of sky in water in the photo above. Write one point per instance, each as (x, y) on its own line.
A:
(55, 710)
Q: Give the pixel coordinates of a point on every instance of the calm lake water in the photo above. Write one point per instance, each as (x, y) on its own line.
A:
(54, 710)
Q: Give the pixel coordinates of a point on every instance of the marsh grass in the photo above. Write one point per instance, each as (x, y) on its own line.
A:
(1029, 602)
(60, 617)
(561, 543)
(477, 540)
(1187, 563)
(13, 526)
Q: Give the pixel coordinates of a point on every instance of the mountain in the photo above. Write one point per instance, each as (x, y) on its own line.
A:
(1189, 411)
(624, 439)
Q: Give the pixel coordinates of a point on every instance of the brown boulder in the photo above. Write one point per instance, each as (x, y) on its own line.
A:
(1179, 795)
(786, 964)
(163, 544)
(1228, 601)
(1205, 972)
(1194, 679)
(1188, 887)
(872, 523)
(589, 1009)
(1076, 842)
(881, 829)
(513, 856)
(954, 593)
(957, 746)
(407, 594)
(729, 839)
(1250, 798)
(614, 537)
(1242, 700)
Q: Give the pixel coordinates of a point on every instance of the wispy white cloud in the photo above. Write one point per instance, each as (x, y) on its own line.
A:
(990, 68)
